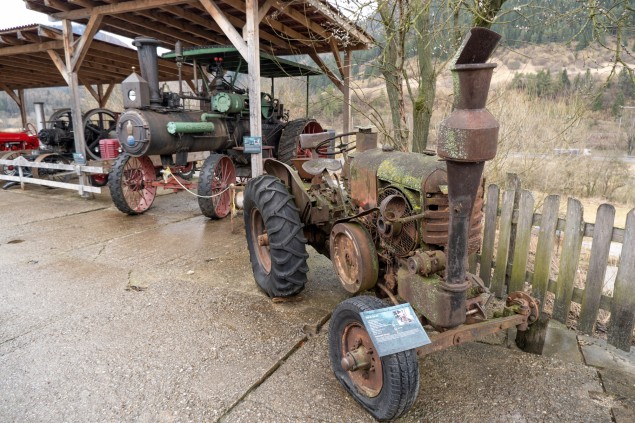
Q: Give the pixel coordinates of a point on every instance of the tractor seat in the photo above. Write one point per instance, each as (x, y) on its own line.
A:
(319, 165)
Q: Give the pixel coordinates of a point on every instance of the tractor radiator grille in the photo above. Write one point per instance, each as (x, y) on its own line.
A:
(437, 221)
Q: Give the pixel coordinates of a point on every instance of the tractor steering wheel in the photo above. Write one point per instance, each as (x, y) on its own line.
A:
(324, 148)
(30, 128)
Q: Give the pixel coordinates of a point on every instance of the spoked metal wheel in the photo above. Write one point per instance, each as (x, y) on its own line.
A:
(385, 386)
(98, 124)
(8, 169)
(217, 174)
(130, 183)
(51, 174)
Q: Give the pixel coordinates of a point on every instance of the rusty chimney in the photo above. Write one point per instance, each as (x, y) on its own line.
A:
(467, 138)
(147, 51)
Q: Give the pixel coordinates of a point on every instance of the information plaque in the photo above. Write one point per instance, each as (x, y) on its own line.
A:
(394, 329)
(253, 145)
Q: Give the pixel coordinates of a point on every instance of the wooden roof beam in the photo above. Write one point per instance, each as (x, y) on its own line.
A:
(31, 48)
(46, 32)
(84, 41)
(150, 29)
(228, 29)
(334, 79)
(276, 25)
(12, 41)
(59, 64)
(28, 36)
(336, 55)
(201, 20)
(114, 9)
(56, 4)
(340, 20)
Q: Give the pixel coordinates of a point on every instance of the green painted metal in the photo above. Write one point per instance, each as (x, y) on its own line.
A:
(270, 66)
(189, 127)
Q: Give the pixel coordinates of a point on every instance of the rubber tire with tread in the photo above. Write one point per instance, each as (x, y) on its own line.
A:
(287, 245)
(400, 370)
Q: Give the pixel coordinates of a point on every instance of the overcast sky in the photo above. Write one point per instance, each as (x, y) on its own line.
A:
(15, 13)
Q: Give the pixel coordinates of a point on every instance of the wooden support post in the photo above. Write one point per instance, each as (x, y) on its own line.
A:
(76, 110)
(100, 96)
(253, 58)
(347, 92)
(19, 101)
(22, 105)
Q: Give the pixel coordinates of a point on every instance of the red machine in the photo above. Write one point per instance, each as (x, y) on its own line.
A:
(23, 140)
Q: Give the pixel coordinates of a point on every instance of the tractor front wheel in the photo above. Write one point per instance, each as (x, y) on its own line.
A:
(277, 247)
(385, 386)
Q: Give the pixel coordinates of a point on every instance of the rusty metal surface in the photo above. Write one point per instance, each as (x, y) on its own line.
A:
(369, 377)
(398, 238)
(435, 226)
(441, 308)
(468, 333)
(354, 257)
(259, 232)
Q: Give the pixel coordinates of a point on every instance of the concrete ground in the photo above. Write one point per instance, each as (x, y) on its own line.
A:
(156, 318)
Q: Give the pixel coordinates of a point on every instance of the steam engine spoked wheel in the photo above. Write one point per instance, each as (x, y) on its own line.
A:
(277, 249)
(289, 145)
(217, 174)
(385, 386)
(98, 124)
(57, 175)
(130, 183)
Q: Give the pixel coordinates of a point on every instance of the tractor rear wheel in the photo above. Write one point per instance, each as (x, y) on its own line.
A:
(130, 182)
(385, 386)
(277, 247)
(217, 174)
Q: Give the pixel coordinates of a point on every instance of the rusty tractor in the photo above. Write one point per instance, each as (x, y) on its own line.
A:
(398, 224)
(161, 137)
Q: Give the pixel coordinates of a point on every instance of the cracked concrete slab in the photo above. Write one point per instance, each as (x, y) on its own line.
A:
(200, 341)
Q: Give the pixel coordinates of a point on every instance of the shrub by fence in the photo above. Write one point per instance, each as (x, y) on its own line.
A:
(510, 271)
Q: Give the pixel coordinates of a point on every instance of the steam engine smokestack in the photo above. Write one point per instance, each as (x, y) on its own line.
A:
(467, 138)
(147, 51)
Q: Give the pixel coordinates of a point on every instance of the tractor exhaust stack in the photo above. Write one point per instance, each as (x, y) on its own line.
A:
(467, 138)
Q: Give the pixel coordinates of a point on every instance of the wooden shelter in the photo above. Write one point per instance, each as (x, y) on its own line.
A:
(274, 26)
(32, 57)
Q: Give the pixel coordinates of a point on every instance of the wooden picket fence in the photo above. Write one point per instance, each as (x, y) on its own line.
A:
(505, 268)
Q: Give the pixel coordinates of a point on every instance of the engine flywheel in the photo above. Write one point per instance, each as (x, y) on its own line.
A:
(354, 257)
